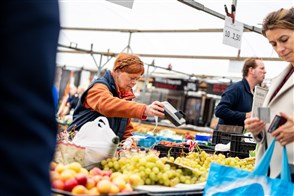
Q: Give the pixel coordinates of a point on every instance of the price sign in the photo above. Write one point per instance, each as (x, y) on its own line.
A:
(232, 34)
(258, 99)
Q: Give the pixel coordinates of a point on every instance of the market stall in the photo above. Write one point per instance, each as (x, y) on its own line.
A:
(167, 166)
(161, 158)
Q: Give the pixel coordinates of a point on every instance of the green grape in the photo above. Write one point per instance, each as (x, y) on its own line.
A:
(166, 182)
(160, 164)
(151, 158)
(155, 170)
(150, 164)
(104, 162)
(147, 171)
(171, 159)
(116, 165)
(187, 182)
(153, 176)
(142, 161)
(110, 164)
(159, 175)
(182, 179)
(174, 182)
(165, 176)
(142, 174)
(148, 181)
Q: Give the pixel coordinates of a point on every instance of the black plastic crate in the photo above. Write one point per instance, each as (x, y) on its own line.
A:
(237, 154)
(207, 149)
(175, 151)
(239, 147)
(220, 137)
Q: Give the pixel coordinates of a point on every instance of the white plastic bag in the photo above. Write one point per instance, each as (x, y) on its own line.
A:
(98, 139)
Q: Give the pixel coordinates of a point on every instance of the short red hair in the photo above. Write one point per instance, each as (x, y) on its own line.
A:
(129, 63)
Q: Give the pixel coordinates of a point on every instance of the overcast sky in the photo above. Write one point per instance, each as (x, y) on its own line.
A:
(166, 14)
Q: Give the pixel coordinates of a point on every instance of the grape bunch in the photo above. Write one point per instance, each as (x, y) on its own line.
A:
(157, 171)
(201, 162)
(152, 169)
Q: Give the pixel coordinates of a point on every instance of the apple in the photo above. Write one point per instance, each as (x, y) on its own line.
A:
(53, 165)
(75, 166)
(105, 177)
(57, 184)
(82, 179)
(106, 173)
(67, 174)
(114, 175)
(84, 171)
(79, 190)
(120, 182)
(103, 186)
(70, 184)
(127, 189)
(134, 180)
(93, 191)
(113, 189)
(59, 167)
(54, 175)
(90, 182)
(97, 178)
(95, 171)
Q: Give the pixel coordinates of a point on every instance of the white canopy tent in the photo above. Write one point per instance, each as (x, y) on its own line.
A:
(103, 29)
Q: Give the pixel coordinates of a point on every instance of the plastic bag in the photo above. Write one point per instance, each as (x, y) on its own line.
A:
(66, 153)
(223, 180)
(99, 141)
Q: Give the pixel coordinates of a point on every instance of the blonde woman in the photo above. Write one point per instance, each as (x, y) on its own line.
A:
(278, 28)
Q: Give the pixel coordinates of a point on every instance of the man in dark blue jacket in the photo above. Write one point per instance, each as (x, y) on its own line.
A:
(28, 36)
(236, 102)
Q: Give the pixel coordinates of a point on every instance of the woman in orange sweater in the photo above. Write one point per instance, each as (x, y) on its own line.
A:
(111, 96)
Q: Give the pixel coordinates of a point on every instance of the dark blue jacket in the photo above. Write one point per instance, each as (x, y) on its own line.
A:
(29, 35)
(235, 102)
(83, 115)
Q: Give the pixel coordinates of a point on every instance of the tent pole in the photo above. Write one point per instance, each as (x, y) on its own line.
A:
(201, 7)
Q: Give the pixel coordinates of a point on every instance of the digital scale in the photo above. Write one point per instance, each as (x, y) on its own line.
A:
(175, 116)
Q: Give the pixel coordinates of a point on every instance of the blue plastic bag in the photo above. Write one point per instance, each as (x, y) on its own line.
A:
(223, 180)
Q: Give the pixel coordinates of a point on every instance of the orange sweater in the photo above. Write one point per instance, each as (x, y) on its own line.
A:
(100, 99)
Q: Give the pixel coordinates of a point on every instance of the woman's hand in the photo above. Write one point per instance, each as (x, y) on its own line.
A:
(254, 125)
(285, 133)
(154, 109)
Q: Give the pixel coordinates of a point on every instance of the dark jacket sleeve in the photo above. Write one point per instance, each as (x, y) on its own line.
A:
(224, 109)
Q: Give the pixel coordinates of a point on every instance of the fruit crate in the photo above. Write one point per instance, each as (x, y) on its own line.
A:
(175, 151)
(220, 137)
(239, 147)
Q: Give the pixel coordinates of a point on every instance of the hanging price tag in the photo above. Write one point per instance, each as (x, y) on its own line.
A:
(232, 34)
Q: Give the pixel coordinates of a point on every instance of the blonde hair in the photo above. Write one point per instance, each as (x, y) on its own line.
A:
(282, 18)
(129, 63)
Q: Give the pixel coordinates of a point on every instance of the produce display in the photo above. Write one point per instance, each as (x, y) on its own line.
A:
(157, 171)
(168, 160)
(74, 179)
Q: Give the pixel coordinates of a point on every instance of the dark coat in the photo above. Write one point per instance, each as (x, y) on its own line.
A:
(235, 102)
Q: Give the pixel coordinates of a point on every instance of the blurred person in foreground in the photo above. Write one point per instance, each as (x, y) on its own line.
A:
(278, 28)
(29, 35)
(111, 96)
(236, 101)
